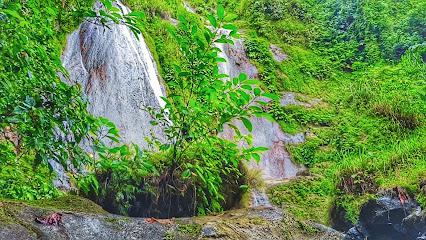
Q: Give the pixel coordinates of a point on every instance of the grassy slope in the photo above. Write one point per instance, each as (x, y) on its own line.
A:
(369, 134)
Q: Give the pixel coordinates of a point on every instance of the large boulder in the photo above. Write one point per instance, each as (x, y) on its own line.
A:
(390, 218)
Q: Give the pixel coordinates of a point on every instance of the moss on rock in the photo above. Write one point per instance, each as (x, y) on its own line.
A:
(69, 203)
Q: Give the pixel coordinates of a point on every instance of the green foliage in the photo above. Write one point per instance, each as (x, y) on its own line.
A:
(201, 103)
(189, 229)
(305, 198)
(169, 236)
(381, 29)
(257, 49)
(42, 118)
(22, 180)
(35, 106)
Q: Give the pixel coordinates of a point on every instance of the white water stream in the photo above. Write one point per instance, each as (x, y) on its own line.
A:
(145, 58)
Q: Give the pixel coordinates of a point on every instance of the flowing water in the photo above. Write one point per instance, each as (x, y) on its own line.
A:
(259, 199)
(118, 76)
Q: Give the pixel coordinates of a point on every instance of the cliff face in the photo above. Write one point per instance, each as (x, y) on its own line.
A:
(275, 163)
(118, 75)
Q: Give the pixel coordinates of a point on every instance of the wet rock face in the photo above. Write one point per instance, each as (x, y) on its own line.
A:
(338, 219)
(275, 163)
(118, 75)
(387, 219)
(236, 58)
(277, 53)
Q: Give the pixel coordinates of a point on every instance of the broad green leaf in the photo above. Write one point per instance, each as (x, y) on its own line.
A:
(268, 116)
(186, 174)
(230, 27)
(261, 149)
(247, 87)
(247, 124)
(235, 81)
(230, 17)
(113, 139)
(256, 92)
(252, 82)
(220, 12)
(271, 95)
(212, 21)
(256, 157)
(137, 14)
(242, 77)
(114, 9)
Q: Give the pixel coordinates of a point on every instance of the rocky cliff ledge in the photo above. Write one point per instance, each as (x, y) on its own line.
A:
(82, 219)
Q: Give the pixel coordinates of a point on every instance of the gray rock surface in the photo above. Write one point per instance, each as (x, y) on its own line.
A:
(236, 58)
(388, 219)
(277, 53)
(118, 75)
(253, 223)
(289, 98)
(275, 163)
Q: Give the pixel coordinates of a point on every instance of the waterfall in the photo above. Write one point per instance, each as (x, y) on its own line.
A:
(118, 75)
(147, 59)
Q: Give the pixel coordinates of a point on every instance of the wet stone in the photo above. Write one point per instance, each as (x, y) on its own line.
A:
(210, 230)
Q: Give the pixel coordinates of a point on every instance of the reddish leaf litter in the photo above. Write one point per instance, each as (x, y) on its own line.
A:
(403, 198)
(402, 195)
(52, 220)
(160, 221)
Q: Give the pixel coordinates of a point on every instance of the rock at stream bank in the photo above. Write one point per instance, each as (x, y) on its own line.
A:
(388, 219)
(89, 221)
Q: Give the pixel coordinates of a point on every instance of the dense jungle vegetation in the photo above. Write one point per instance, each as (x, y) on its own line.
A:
(365, 60)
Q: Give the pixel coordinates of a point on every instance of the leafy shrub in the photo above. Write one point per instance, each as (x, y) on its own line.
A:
(42, 118)
(203, 101)
(22, 180)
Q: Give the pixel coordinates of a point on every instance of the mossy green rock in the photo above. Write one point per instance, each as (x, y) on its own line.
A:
(83, 219)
